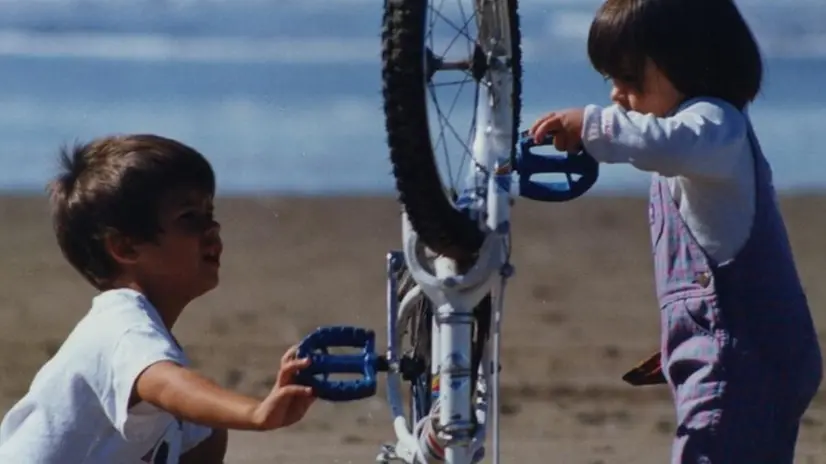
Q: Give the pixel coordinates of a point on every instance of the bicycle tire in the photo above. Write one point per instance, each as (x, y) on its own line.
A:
(440, 225)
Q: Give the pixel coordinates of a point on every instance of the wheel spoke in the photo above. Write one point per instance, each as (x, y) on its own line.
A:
(473, 66)
(451, 83)
(460, 30)
(445, 123)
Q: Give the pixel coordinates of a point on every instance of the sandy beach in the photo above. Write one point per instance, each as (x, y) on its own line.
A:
(580, 311)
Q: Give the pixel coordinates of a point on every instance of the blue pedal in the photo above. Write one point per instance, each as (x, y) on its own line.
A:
(316, 346)
(529, 164)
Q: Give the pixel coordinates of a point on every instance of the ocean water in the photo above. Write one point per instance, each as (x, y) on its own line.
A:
(284, 96)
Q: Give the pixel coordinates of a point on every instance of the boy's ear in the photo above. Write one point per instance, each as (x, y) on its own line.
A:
(120, 247)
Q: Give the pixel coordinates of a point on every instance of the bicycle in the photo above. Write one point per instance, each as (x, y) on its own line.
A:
(445, 287)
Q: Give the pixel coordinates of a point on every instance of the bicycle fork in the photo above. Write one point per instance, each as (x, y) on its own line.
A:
(453, 430)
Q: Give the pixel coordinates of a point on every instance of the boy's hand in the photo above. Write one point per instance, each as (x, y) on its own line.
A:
(565, 126)
(287, 402)
(191, 397)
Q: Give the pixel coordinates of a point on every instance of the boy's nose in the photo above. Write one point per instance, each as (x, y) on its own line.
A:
(212, 235)
(213, 228)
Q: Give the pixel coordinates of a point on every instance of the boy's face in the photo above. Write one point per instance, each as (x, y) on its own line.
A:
(183, 261)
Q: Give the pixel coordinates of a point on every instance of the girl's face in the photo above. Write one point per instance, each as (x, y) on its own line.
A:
(656, 95)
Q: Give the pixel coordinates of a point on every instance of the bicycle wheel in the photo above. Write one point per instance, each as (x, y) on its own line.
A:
(416, 54)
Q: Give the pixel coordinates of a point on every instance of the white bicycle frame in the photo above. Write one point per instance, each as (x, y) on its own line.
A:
(456, 292)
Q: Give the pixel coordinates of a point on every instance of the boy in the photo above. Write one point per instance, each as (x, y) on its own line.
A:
(134, 215)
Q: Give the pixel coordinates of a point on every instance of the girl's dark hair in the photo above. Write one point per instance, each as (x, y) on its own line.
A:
(704, 47)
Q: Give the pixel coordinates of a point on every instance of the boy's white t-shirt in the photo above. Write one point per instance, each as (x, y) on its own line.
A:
(76, 410)
(705, 152)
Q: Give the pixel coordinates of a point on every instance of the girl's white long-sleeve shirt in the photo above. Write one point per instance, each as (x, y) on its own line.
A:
(703, 150)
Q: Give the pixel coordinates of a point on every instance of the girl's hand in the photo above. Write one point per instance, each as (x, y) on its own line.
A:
(565, 126)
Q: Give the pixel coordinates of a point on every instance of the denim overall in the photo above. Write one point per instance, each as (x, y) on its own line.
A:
(739, 349)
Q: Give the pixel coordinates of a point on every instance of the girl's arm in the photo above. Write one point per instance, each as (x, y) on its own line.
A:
(701, 140)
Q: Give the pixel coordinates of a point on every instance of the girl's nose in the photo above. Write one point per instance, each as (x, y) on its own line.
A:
(619, 97)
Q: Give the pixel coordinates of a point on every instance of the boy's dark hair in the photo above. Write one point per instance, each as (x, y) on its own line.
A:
(704, 47)
(116, 184)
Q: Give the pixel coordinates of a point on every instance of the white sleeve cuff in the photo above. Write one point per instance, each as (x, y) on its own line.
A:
(597, 132)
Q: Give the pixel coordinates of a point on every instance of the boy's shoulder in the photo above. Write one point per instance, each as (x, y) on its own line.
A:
(113, 314)
(117, 324)
(122, 308)
(85, 389)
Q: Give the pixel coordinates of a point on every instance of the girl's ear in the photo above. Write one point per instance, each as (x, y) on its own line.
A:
(121, 248)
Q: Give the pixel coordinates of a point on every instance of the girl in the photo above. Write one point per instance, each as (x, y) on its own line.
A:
(739, 349)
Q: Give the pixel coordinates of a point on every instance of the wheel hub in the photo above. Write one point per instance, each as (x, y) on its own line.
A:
(477, 64)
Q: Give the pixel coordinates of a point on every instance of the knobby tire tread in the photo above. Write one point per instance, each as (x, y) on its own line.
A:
(442, 227)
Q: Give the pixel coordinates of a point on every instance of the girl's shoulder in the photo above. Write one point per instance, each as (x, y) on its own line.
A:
(715, 109)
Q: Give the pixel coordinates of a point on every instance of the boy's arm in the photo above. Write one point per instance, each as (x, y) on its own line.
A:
(194, 398)
(147, 366)
(212, 450)
(697, 141)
